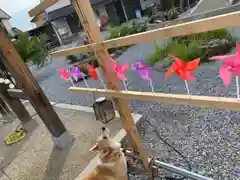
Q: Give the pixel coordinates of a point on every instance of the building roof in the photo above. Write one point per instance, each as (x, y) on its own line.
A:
(63, 3)
(4, 15)
(62, 8)
(62, 12)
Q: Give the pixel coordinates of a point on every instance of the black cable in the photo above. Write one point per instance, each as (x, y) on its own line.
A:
(171, 146)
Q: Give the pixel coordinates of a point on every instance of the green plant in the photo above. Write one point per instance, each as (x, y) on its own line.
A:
(206, 36)
(124, 30)
(31, 49)
(84, 70)
(72, 58)
(186, 52)
(187, 47)
(158, 54)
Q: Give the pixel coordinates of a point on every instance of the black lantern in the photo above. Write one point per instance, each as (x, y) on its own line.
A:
(103, 110)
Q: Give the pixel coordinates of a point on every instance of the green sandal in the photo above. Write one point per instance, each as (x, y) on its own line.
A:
(16, 136)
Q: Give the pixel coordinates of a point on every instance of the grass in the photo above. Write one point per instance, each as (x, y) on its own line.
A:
(187, 47)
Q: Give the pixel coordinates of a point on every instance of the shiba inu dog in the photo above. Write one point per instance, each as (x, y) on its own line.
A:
(112, 164)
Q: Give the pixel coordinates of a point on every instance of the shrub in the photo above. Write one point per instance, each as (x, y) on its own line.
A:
(84, 70)
(72, 58)
(186, 52)
(31, 49)
(205, 36)
(159, 53)
(187, 47)
(124, 30)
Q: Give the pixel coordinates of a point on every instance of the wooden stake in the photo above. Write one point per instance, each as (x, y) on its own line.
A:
(28, 83)
(16, 105)
(5, 109)
(89, 22)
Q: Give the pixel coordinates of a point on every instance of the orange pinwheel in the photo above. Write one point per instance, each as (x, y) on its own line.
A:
(183, 69)
(92, 72)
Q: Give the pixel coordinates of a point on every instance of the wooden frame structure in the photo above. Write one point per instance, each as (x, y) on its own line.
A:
(99, 47)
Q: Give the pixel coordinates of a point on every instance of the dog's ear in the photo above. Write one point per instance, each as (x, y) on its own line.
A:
(94, 148)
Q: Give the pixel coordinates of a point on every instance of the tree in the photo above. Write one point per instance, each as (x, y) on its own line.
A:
(32, 49)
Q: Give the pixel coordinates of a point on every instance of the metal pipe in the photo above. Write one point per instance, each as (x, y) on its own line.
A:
(180, 171)
(124, 11)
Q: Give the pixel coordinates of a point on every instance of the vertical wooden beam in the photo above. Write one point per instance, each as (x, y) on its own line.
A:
(16, 105)
(4, 110)
(28, 83)
(89, 22)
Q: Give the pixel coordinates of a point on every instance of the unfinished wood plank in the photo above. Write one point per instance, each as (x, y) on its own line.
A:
(199, 101)
(74, 50)
(89, 22)
(41, 7)
(13, 61)
(203, 25)
(17, 93)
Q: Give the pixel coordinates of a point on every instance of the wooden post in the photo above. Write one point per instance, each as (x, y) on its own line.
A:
(89, 22)
(28, 83)
(4, 110)
(16, 105)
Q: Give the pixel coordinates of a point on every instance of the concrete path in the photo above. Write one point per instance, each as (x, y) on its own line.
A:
(34, 158)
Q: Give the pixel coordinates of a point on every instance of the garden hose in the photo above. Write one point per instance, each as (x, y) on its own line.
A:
(15, 136)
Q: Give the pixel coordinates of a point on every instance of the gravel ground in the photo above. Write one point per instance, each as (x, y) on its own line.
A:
(209, 138)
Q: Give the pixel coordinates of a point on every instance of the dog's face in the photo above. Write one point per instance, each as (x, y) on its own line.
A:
(105, 142)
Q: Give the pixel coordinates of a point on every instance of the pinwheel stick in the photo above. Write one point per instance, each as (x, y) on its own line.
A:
(6, 112)
(101, 78)
(151, 84)
(125, 85)
(85, 82)
(237, 84)
(71, 80)
(186, 84)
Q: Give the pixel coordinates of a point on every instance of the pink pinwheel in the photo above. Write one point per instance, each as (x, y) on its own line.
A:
(143, 70)
(230, 66)
(64, 74)
(120, 70)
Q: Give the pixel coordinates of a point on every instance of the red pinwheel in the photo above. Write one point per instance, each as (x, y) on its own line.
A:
(183, 69)
(92, 72)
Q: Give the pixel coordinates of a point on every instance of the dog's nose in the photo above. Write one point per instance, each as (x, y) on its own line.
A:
(103, 128)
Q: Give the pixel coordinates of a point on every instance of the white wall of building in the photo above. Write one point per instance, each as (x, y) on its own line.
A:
(62, 26)
(145, 3)
(100, 7)
(59, 4)
(8, 26)
(209, 5)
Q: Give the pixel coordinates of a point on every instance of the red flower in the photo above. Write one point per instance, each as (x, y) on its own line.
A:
(92, 72)
(183, 69)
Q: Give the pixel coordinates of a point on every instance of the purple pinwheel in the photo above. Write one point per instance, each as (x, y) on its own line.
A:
(144, 72)
(77, 73)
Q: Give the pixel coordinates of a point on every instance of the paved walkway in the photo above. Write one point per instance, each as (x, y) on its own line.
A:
(34, 158)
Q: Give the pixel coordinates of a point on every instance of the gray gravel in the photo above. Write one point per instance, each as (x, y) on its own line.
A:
(208, 137)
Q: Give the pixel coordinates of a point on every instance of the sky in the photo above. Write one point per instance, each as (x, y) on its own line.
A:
(18, 10)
